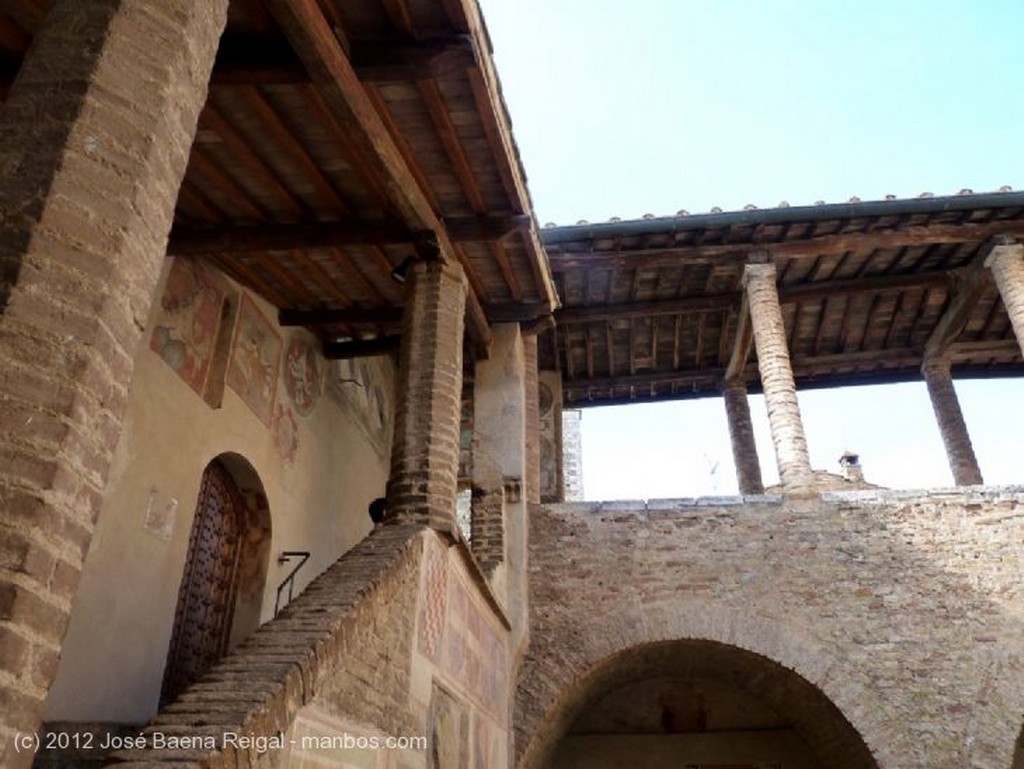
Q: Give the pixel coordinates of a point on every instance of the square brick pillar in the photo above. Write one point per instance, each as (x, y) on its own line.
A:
(94, 141)
(425, 452)
(777, 380)
(741, 434)
(1007, 265)
(500, 465)
(945, 404)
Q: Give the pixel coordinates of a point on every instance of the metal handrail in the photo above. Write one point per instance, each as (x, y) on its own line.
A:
(289, 581)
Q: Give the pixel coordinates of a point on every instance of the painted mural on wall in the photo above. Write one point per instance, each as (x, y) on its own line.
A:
(474, 652)
(188, 321)
(255, 361)
(303, 375)
(457, 632)
(365, 386)
(433, 602)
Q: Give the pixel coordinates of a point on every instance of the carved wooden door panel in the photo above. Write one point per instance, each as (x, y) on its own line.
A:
(206, 598)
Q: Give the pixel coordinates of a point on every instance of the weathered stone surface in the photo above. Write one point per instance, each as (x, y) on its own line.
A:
(902, 608)
(94, 140)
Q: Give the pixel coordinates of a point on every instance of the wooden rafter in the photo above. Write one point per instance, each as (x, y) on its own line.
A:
(742, 342)
(350, 316)
(241, 149)
(562, 260)
(360, 348)
(273, 237)
(314, 41)
(972, 283)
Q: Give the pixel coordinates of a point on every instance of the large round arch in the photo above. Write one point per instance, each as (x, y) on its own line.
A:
(685, 703)
(565, 672)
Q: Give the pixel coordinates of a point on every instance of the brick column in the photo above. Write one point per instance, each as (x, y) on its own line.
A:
(777, 380)
(425, 453)
(1007, 265)
(946, 405)
(94, 140)
(741, 433)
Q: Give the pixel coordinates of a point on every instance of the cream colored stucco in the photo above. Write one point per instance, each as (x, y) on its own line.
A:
(120, 627)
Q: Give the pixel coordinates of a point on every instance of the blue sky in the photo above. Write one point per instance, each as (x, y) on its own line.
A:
(652, 106)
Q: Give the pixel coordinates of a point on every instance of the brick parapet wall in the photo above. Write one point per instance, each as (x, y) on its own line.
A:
(902, 608)
(345, 643)
(94, 140)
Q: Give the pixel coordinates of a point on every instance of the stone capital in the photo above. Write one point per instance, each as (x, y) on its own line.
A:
(1007, 248)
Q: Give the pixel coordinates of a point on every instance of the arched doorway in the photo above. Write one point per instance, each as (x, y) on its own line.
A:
(688, 703)
(225, 569)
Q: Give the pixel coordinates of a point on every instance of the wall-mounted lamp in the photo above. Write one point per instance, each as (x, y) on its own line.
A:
(398, 274)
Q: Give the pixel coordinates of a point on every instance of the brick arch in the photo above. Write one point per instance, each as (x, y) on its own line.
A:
(554, 687)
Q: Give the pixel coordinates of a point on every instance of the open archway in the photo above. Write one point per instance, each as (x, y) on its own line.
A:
(689, 703)
(222, 583)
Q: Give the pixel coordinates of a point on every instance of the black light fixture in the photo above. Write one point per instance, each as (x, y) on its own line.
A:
(398, 274)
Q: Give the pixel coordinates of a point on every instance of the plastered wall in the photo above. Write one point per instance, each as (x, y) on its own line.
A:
(216, 376)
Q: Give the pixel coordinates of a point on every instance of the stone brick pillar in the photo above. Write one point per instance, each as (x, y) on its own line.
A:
(777, 380)
(94, 141)
(425, 452)
(741, 433)
(500, 464)
(946, 405)
(1007, 265)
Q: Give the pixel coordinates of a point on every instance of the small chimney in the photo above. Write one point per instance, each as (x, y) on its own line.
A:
(850, 464)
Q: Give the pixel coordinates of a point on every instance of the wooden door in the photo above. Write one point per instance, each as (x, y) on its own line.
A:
(206, 597)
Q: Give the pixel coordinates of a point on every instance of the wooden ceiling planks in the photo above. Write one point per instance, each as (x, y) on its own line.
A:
(365, 111)
(861, 293)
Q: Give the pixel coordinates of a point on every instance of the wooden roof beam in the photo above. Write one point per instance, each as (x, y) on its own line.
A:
(259, 61)
(348, 316)
(626, 310)
(675, 255)
(278, 237)
(743, 342)
(715, 302)
(360, 348)
(314, 41)
(970, 285)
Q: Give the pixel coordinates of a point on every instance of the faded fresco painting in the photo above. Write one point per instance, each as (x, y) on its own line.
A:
(303, 374)
(255, 360)
(364, 387)
(188, 321)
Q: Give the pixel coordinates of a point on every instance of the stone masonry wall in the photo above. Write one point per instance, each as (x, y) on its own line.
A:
(904, 610)
(90, 164)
